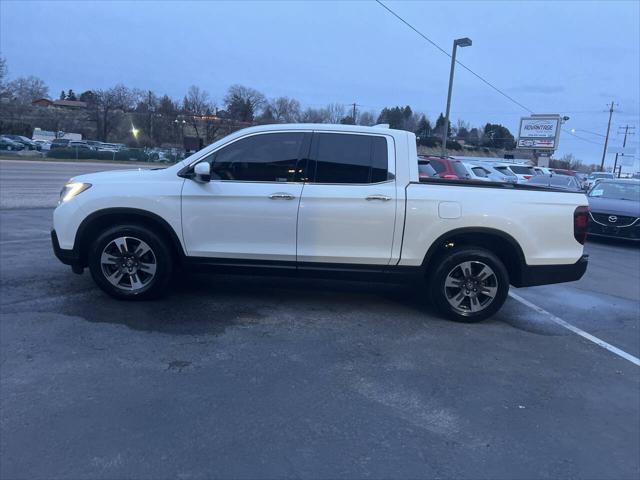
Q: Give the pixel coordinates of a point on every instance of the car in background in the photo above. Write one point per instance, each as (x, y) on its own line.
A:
(485, 172)
(27, 142)
(80, 145)
(94, 143)
(7, 144)
(559, 182)
(446, 168)
(615, 209)
(504, 169)
(523, 172)
(564, 171)
(45, 145)
(595, 177)
(59, 143)
(425, 170)
(542, 170)
(108, 147)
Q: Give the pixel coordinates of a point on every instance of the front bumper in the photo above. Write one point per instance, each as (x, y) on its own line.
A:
(68, 257)
(532, 275)
(631, 232)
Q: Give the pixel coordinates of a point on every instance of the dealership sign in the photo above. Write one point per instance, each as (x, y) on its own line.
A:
(539, 132)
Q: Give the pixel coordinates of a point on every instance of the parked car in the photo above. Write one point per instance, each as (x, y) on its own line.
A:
(503, 168)
(80, 145)
(485, 172)
(321, 199)
(564, 171)
(27, 142)
(594, 177)
(108, 147)
(562, 182)
(542, 170)
(9, 145)
(425, 170)
(447, 168)
(45, 145)
(522, 172)
(59, 143)
(95, 144)
(615, 209)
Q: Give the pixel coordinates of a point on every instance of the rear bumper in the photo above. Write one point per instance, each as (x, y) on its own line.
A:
(68, 257)
(532, 275)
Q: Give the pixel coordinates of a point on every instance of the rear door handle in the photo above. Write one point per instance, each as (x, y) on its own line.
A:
(281, 196)
(384, 198)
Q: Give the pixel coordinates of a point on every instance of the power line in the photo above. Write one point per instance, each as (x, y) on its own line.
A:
(478, 76)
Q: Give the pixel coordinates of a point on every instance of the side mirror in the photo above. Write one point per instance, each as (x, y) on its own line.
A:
(202, 172)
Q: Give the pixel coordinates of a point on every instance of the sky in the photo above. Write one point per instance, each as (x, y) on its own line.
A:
(570, 58)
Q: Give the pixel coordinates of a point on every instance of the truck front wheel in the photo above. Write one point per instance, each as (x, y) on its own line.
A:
(130, 262)
(469, 284)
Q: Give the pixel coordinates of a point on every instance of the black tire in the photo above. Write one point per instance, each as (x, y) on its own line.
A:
(153, 286)
(450, 264)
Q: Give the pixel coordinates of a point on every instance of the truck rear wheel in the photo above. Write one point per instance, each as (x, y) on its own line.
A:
(469, 284)
(130, 262)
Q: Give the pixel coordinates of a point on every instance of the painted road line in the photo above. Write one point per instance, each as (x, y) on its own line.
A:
(576, 330)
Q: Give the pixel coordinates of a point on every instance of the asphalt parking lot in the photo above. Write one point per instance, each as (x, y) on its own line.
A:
(242, 377)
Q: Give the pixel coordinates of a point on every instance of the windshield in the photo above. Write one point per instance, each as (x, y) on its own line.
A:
(553, 180)
(617, 190)
(506, 171)
(522, 170)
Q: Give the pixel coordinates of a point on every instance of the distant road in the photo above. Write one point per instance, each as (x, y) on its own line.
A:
(36, 184)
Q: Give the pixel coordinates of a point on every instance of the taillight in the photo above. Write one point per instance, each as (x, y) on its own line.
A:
(581, 224)
(527, 177)
(450, 177)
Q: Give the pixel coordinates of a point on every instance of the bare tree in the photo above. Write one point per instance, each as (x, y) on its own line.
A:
(314, 115)
(3, 73)
(244, 103)
(196, 105)
(25, 90)
(335, 112)
(285, 109)
(367, 118)
(110, 106)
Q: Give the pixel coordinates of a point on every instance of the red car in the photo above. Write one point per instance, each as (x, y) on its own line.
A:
(562, 171)
(446, 168)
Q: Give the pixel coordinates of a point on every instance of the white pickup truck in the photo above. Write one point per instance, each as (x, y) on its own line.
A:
(322, 200)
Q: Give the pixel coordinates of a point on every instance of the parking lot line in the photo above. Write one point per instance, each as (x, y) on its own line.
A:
(576, 330)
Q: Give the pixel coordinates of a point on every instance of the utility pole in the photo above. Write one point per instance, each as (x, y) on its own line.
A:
(606, 138)
(353, 115)
(624, 144)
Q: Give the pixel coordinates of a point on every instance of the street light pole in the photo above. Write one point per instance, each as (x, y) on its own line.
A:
(462, 42)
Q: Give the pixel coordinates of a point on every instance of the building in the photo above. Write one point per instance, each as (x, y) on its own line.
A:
(73, 104)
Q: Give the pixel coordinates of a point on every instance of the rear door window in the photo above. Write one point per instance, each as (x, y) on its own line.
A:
(347, 158)
(479, 172)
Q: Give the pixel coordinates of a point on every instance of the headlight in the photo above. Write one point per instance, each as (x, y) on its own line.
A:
(72, 189)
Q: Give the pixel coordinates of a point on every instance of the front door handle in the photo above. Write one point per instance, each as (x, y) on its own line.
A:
(384, 198)
(281, 196)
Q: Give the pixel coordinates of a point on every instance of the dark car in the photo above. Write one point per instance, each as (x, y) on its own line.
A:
(560, 182)
(8, 144)
(615, 209)
(425, 170)
(447, 168)
(27, 142)
(60, 143)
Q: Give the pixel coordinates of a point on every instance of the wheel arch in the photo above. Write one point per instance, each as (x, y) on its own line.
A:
(501, 244)
(102, 219)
